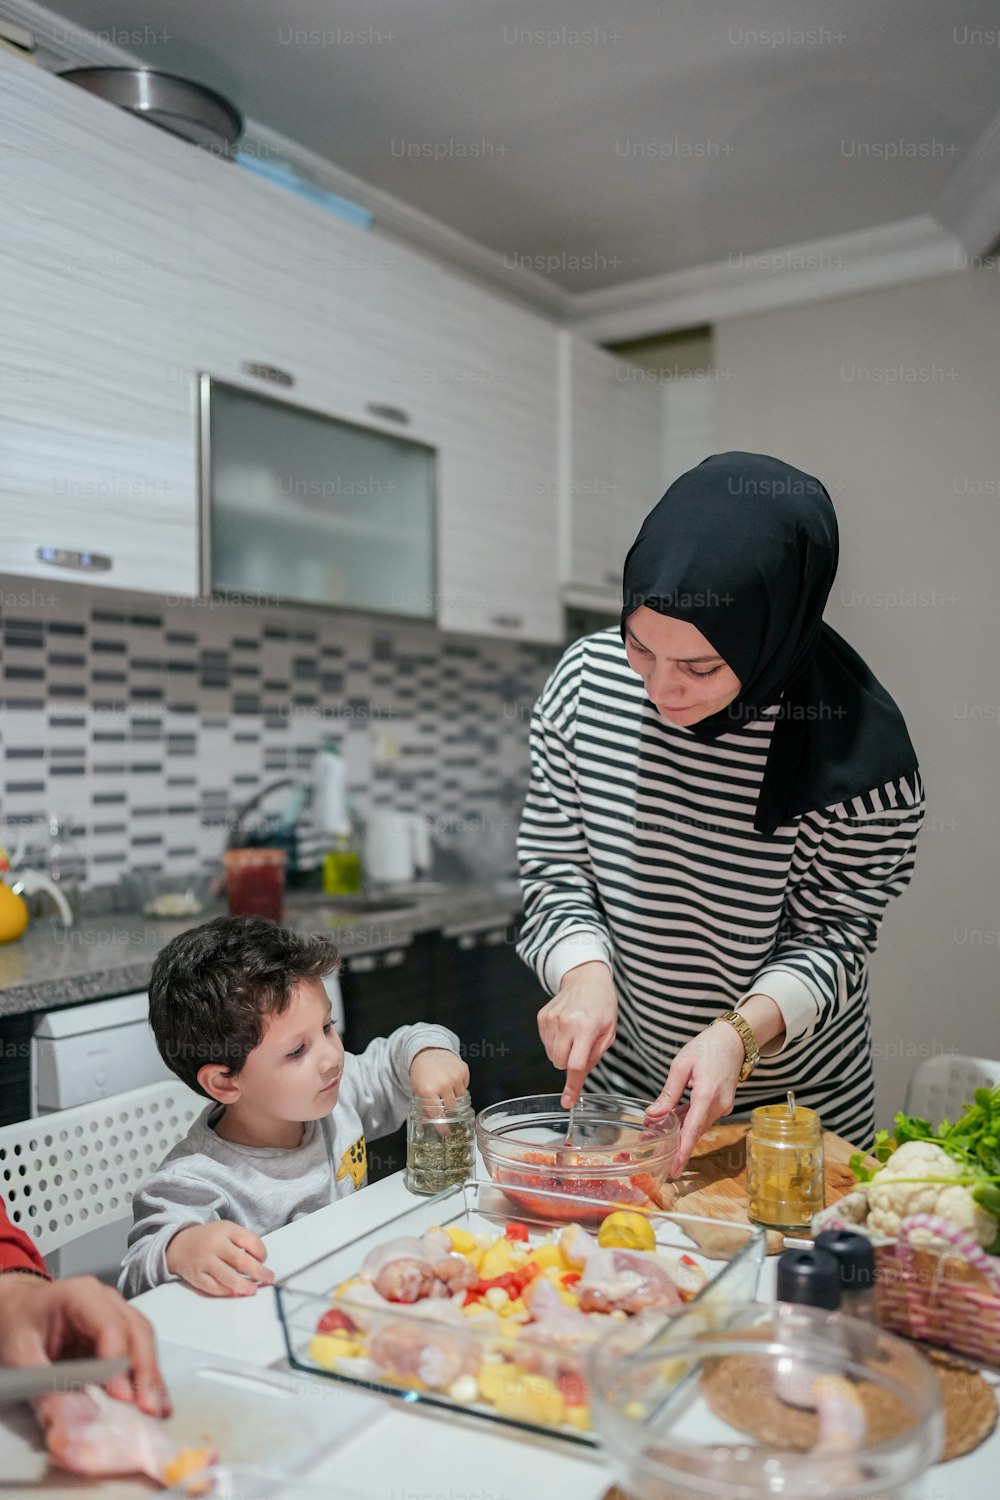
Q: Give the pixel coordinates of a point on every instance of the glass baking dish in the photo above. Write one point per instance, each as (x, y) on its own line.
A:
(729, 1254)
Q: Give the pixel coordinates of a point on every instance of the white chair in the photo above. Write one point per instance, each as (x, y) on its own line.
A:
(66, 1174)
(940, 1088)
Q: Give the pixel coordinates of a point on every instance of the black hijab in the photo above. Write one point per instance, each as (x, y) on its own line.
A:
(745, 548)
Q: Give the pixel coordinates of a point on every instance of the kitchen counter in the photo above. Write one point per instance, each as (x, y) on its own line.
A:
(54, 966)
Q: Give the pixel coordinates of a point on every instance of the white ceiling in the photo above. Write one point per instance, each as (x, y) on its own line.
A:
(672, 138)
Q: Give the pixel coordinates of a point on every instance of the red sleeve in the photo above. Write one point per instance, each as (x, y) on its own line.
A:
(17, 1253)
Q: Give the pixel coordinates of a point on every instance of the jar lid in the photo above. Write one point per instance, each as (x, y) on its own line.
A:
(811, 1277)
(854, 1253)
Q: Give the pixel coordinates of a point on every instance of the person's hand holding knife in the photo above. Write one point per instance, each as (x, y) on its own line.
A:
(577, 1026)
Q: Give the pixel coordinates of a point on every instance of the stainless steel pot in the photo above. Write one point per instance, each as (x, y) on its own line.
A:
(190, 110)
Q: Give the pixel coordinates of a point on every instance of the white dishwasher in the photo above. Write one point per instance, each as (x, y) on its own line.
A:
(81, 1054)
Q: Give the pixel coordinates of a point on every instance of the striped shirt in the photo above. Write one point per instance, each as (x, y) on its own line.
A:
(637, 846)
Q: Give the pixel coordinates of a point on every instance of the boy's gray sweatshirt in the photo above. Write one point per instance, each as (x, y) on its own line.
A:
(206, 1177)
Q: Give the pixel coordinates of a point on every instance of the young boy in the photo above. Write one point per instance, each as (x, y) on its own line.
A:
(239, 1013)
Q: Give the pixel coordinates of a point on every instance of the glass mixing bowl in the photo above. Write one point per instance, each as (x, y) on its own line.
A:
(761, 1400)
(615, 1157)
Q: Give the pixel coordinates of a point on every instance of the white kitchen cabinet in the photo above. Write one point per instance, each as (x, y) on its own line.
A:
(362, 324)
(97, 451)
(497, 483)
(614, 466)
(689, 420)
(132, 262)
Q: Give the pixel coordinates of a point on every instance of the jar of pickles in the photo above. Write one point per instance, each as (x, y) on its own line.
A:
(784, 1166)
(439, 1143)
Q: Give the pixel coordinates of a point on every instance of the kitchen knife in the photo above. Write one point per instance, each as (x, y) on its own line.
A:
(23, 1383)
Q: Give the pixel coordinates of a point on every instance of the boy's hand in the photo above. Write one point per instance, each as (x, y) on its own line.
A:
(439, 1073)
(221, 1259)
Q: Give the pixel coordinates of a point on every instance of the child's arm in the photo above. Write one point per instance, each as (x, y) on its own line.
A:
(377, 1081)
(180, 1232)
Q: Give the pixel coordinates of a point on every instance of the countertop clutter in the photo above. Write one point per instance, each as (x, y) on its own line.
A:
(54, 966)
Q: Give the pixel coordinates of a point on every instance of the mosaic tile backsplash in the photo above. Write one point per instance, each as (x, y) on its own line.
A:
(145, 723)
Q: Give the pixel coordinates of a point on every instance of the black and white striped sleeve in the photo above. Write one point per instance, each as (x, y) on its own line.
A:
(852, 859)
(563, 923)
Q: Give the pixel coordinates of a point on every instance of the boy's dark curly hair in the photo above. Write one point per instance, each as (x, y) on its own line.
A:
(213, 987)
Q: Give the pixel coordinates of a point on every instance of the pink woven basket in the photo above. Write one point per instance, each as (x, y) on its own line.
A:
(946, 1297)
(950, 1299)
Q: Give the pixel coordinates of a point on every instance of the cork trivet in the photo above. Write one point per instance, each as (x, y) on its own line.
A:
(970, 1406)
(740, 1389)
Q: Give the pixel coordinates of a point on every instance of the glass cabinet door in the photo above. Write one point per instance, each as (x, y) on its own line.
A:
(308, 509)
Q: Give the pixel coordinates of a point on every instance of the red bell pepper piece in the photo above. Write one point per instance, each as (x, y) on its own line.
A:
(334, 1321)
(516, 1232)
(570, 1278)
(573, 1388)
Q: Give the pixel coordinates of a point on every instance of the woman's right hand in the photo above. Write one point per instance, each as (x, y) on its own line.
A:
(577, 1026)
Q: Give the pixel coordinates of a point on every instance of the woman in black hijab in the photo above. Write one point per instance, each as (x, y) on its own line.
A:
(723, 801)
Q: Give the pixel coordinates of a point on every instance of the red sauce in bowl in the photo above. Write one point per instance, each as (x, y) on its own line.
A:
(520, 1185)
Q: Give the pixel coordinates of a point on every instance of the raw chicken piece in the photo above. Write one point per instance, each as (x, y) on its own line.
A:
(455, 1274)
(625, 1279)
(435, 1356)
(89, 1433)
(447, 1309)
(554, 1322)
(403, 1269)
(405, 1280)
(577, 1245)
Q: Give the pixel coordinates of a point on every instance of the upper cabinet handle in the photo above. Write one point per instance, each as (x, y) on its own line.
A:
(508, 622)
(270, 373)
(388, 413)
(79, 562)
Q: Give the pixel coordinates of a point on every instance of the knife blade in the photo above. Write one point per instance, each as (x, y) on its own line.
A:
(25, 1382)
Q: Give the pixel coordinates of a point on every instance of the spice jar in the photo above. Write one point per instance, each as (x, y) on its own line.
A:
(784, 1166)
(255, 882)
(439, 1143)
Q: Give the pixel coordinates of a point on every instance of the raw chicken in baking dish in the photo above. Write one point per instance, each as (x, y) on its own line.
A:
(500, 1320)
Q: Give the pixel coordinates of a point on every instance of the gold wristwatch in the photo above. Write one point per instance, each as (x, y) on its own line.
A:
(750, 1048)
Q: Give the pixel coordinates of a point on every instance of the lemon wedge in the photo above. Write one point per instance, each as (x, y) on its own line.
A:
(626, 1230)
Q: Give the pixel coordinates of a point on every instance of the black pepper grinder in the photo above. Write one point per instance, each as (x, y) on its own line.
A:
(810, 1278)
(806, 1278)
(855, 1256)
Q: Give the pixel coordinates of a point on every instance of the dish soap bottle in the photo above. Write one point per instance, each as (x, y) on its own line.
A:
(342, 863)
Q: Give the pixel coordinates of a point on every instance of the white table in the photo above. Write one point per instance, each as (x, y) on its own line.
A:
(415, 1451)
(408, 1452)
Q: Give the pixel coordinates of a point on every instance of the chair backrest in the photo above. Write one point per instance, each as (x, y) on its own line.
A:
(67, 1173)
(940, 1087)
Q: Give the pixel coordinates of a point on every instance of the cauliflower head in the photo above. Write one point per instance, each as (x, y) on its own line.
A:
(891, 1200)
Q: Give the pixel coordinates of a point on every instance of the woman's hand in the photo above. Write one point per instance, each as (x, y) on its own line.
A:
(577, 1026)
(42, 1321)
(220, 1258)
(710, 1066)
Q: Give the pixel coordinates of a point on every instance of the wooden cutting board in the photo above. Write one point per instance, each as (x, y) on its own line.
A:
(715, 1182)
